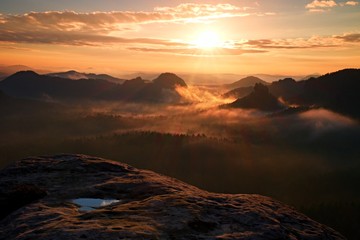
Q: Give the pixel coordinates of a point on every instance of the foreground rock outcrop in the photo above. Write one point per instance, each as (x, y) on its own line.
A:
(147, 206)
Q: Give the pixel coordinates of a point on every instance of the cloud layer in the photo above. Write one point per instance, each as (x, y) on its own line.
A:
(99, 28)
(322, 5)
(107, 28)
(107, 22)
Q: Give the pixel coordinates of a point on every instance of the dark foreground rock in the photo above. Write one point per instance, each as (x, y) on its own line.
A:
(150, 206)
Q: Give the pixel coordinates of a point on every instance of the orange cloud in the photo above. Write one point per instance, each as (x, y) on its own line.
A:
(321, 4)
(112, 21)
(199, 52)
(302, 43)
(261, 45)
(96, 28)
(194, 9)
(78, 39)
(352, 3)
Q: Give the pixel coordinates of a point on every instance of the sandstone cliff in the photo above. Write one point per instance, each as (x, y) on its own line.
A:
(41, 197)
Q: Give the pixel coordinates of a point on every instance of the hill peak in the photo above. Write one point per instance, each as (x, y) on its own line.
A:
(250, 78)
(75, 75)
(169, 80)
(260, 99)
(286, 80)
(260, 89)
(27, 73)
(249, 81)
(72, 71)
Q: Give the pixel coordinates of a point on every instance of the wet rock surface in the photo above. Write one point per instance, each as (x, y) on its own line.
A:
(150, 206)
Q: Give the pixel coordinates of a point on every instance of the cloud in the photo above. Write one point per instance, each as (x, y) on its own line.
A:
(108, 28)
(302, 43)
(78, 39)
(261, 45)
(113, 21)
(95, 28)
(201, 9)
(285, 44)
(352, 3)
(317, 10)
(351, 37)
(199, 52)
(322, 5)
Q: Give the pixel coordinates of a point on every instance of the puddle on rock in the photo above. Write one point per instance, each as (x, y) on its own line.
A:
(89, 204)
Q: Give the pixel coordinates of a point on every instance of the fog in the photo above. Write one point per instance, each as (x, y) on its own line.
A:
(309, 159)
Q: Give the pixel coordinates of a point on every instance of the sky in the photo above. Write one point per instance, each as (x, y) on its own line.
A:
(287, 37)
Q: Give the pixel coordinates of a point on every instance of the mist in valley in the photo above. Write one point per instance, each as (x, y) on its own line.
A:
(307, 159)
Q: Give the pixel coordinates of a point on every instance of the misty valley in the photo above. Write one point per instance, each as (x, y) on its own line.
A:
(180, 120)
(295, 141)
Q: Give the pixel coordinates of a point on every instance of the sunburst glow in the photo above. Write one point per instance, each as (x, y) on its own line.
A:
(207, 40)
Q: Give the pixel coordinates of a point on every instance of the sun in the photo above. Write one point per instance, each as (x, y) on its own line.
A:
(207, 40)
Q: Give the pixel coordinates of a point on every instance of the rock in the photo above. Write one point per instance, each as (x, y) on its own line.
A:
(150, 206)
(260, 99)
(18, 196)
(169, 80)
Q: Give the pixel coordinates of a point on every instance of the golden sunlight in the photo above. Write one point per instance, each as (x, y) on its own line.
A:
(207, 40)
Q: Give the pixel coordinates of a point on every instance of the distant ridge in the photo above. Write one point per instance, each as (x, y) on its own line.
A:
(338, 91)
(310, 76)
(74, 75)
(249, 81)
(8, 70)
(29, 84)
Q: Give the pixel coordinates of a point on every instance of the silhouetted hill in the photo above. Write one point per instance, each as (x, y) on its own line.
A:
(94, 198)
(238, 92)
(310, 76)
(29, 84)
(246, 82)
(9, 70)
(3, 96)
(286, 88)
(74, 75)
(2, 76)
(161, 89)
(127, 91)
(260, 99)
(338, 91)
(169, 81)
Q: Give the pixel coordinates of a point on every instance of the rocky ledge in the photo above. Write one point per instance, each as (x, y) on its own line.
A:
(42, 197)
